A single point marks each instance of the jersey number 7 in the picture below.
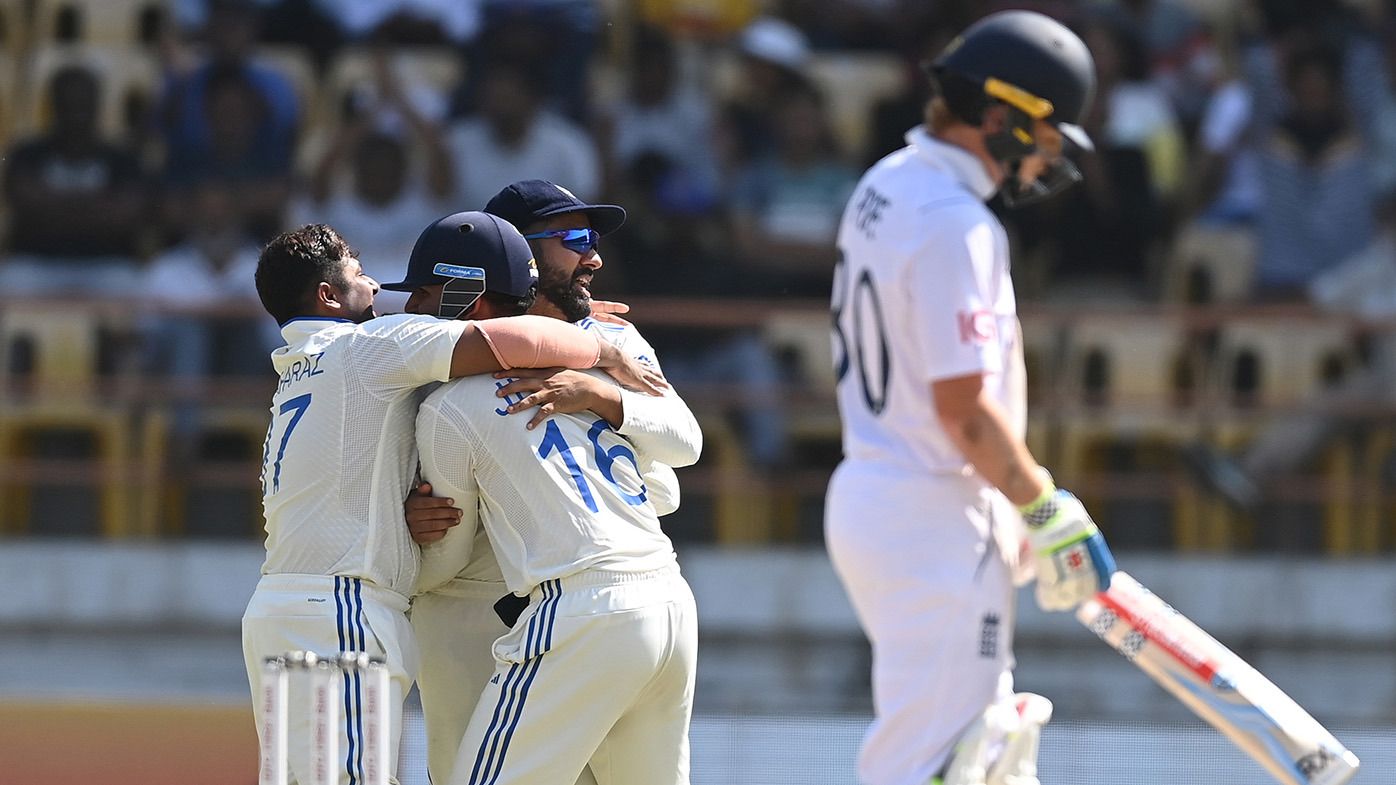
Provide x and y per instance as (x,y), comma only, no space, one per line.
(296,408)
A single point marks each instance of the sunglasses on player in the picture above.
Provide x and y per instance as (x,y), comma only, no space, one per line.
(580,241)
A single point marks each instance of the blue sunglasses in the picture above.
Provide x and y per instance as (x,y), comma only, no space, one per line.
(580,241)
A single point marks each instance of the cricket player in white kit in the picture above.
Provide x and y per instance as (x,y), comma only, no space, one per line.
(600,667)
(920,521)
(340,455)
(454,612)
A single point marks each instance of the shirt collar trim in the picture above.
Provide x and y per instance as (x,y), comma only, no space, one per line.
(960,164)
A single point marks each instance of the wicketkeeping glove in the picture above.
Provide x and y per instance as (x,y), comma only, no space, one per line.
(1073,562)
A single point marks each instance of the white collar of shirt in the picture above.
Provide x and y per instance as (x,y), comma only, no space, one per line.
(301,327)
(960,164)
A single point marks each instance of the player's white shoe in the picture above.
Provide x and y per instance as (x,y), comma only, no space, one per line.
(1000,748)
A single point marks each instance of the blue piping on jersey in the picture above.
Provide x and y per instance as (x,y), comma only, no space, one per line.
(316,319)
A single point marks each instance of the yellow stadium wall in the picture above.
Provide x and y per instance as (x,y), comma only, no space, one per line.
(126,744)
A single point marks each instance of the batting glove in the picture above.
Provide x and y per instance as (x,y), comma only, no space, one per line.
(1073,562)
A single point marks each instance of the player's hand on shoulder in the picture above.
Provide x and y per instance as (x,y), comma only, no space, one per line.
(609,312)
(429,517)
(557,391)
(1073,562)
(630,372)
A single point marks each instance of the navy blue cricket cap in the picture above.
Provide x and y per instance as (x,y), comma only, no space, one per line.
(473,245)
(527,201)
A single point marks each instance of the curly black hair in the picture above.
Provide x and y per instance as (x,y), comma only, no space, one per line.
(294,264)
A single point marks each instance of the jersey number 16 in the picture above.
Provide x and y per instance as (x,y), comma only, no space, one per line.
(554,441)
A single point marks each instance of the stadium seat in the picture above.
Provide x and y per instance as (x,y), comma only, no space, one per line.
(130,78)
(1127,391)
(803,336)
(1042,355)
(59,346)
(1266,365)
(164,503)
(853,84)
(1375,525)
(1211,264)
(101,22)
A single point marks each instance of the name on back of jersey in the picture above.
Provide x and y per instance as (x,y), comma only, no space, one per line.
(303,368)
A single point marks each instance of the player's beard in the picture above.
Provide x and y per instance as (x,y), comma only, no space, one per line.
(569,295)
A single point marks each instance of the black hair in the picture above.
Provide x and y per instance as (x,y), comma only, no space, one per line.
(508,304)
(293,265)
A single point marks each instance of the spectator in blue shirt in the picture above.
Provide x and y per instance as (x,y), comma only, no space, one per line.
(230,116)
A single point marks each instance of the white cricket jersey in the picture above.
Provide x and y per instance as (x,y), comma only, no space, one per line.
(922,293)
(662,430)
(562,498)
(340,454)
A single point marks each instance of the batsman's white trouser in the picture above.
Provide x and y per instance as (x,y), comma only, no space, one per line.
(599,668)
(326,614)
(921,560)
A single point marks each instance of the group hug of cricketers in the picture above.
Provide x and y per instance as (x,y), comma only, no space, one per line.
(472,490)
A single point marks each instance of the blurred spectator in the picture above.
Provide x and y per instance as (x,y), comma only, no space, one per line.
(1316,181)
(705,19)
(785,207)
(892,117)
(773,57)
(1290,28)
(390,100)
(213,268)
(1225,183)
(75,200)
(229,117)
(566,33)
(1384,118)
(302,23)
(1138,113)
(1107,228)
(659,135)
(387,201)
(513,137)
(407,22)
(1179,54)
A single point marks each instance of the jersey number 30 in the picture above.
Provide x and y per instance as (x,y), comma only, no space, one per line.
(868,348)
(553,441)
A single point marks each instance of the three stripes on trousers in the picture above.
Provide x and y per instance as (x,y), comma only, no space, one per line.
(349,622)
(513,692)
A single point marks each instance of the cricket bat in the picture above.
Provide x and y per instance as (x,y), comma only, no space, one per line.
(1217,685)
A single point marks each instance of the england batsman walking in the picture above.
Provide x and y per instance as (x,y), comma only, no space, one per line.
(925,514)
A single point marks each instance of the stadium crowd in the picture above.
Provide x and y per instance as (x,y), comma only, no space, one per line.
(150,170)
